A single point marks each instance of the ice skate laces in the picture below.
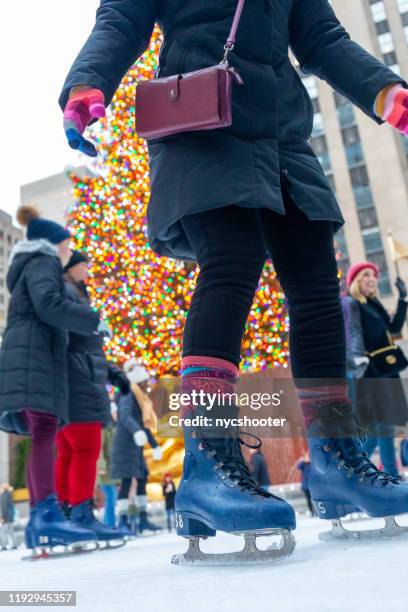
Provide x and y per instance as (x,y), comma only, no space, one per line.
(355,461)
(345,441)
(229,459)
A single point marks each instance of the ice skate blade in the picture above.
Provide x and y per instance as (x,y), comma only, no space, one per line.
(249,555)
(112,544)
(391,529)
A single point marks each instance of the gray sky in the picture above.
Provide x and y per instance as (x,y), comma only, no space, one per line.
(39,40)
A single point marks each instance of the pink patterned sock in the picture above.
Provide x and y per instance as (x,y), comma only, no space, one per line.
(209,375)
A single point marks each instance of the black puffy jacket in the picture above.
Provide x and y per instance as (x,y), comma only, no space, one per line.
(33,355)
(89,371)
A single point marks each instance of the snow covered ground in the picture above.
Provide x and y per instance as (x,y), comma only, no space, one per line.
(319,577)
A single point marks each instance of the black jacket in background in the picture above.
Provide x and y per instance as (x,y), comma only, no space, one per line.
(88,370)
(380,401)
(377,324)
(33,354)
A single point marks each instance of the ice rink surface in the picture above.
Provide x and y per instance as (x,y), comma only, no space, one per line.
(319,577)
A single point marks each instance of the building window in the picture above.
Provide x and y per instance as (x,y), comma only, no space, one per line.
(363,197)
(390,58)
(382,27)
(367,217)
(359,177)
(378,11)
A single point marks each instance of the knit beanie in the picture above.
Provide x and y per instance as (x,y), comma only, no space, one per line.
(76,258)
(358,267)
(38,228)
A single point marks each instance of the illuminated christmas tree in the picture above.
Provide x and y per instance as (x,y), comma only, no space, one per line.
(145,297)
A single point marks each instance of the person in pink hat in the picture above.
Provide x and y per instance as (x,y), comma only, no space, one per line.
(374,361)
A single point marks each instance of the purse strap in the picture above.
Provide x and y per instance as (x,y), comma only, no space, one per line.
(229,45)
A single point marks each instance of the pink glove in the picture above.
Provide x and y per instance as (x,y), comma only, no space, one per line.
(84,104)
(392,106)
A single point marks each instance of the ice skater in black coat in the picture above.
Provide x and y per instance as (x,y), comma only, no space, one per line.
(33,355)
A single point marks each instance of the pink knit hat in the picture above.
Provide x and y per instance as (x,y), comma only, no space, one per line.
(358,267)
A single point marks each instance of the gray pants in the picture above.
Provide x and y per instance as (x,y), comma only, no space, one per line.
(7,535)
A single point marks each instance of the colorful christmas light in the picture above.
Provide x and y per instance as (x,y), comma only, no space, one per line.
(144,297)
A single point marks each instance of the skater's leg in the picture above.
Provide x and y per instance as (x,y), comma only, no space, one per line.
(62,466)
(123,503)
(229,248)
(230,251)
(303,255)
(85,441)
(43,428)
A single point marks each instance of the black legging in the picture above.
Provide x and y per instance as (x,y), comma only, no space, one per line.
(125,488)
(231,245)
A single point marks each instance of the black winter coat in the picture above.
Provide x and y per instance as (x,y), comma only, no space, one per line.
(88,371)
(127,459)
(272,112)
(33,354)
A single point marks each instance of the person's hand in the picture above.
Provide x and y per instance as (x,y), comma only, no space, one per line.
(391,105)
(401,288)
(140,438)
(104,329)
(84,104)
(157,454)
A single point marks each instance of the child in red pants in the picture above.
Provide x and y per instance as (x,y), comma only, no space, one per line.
(79,442)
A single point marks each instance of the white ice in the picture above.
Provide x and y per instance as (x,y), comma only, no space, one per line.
(320,577)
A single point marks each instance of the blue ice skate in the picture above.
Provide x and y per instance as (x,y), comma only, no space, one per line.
(217,493)
(343,480)
(47,528)
(82,516)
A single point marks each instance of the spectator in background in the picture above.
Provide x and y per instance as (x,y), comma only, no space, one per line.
(304,467)
(259,469)
(169,493)
(7,512)
(374,361)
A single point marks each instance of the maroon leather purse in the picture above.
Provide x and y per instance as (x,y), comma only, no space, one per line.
(200,100)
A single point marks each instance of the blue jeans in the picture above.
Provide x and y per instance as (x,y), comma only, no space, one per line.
(109,491)
(385,442)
